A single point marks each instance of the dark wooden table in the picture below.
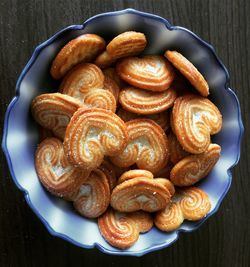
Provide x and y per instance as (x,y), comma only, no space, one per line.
(224,240)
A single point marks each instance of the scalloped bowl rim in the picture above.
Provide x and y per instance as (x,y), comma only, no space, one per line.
(35,54)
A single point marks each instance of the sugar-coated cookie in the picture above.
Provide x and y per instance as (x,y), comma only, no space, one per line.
(193,168)
(152,73)
(189,71)
(92,134)
(194,119)
(54,171)
(54,111)
(145,102)
(83,48)
(147,146)
(191,203)
(122,230)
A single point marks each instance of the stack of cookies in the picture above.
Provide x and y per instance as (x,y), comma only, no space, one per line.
(127,136)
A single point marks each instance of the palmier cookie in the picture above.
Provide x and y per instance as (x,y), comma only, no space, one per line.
(84,82)
(93,196)
(176,151)
(193,168)
(189,71)
(161,118)
(92,134)
(147,146)
(145,102)
(127,44)
(54,171)
(141,193)
(84,48)
(131,174)
(152,73)
(122,230)
(81,79)
(191,203)
(194,118)
(53,111)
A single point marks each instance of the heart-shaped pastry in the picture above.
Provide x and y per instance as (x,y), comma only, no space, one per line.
(81,79)
(176,151)
(122,230)
(92,134)
(93,196)
(147,146)
(152,73)
(189,71)
(161,118)
(53,111)
(191,203)
(194,119)
(54,171)
(84,82)
(193,168)
(141,192)
(84,48)
(126,44)
(145,102)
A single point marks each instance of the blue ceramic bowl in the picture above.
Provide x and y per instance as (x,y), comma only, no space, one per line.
(21,136)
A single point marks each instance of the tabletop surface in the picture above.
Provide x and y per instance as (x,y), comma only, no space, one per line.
(224,240)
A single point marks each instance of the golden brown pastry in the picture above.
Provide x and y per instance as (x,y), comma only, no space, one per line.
(93,196)
(147,146)
(100,98)
(175,149)
(131,174)
(191,203)
(161,118)
(81,79)
(54,111)
(54,171)
(84,48)
(193,168)
(194,203)
(145,102)
(152,73)
(127,44)
(194,119)
(122,230)
(141,192)
(189,71)
(85,82)
(92,134)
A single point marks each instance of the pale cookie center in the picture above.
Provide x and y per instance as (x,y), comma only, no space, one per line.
(57,169)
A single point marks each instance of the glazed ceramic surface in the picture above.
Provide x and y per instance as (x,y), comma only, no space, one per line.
(21,134)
